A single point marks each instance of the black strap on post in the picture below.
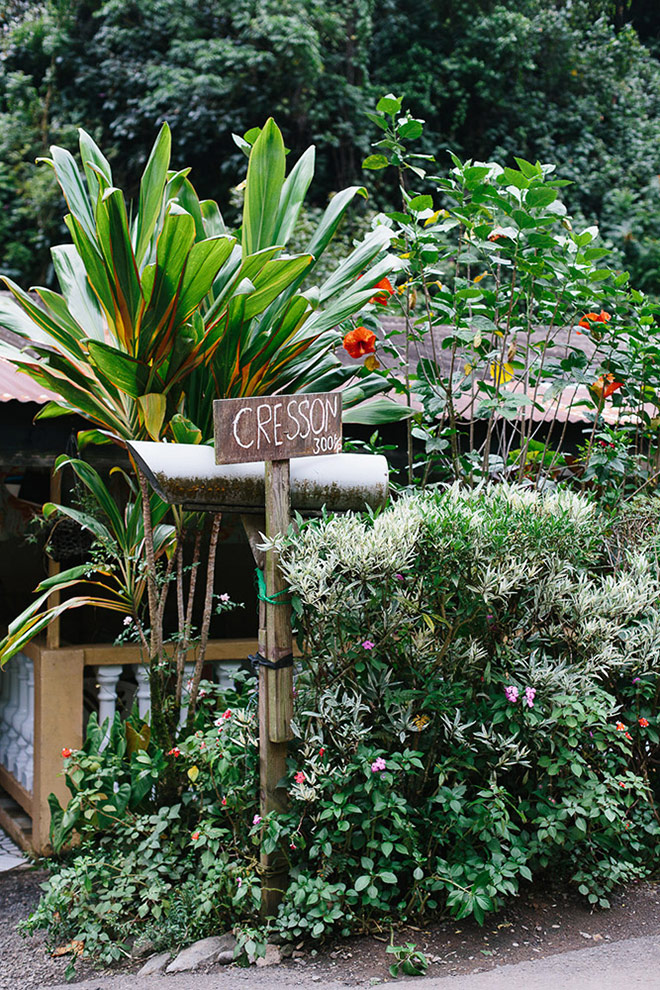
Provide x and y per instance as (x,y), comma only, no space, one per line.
(257,660)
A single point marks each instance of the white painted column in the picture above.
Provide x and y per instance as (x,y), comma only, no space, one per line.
(13,733)
(5,699)
(29,738)
(107,678)
(225,671)
(143,693)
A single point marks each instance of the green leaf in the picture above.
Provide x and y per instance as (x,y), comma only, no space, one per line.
(362,882)
(125,372)
(293,195)
(539,196)
(389,104)
(375,162)
(419,203)
(153,407)
(381,410)
(152,186)
(411,130)
(263,187)
(388,877)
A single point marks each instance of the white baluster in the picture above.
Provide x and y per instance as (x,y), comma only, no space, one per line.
(225,671)
(143,693)
(22,763)
(107,686)
(29,737)
(13,734)
(188,670)
(5,698)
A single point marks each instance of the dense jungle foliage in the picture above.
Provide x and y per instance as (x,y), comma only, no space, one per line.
(576,82)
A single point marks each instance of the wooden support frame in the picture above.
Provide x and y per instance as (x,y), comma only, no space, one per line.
(58,720)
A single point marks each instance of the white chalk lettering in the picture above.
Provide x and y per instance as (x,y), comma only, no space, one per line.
(245,446)
(305,419)
(262,423)
(317,406)
(291,411)
(277,425)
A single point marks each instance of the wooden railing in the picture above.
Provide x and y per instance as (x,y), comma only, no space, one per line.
(42,711)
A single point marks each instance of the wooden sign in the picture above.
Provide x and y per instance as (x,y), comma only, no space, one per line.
(277,427)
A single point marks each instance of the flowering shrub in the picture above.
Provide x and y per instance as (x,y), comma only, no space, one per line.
(493,732)
(477,706)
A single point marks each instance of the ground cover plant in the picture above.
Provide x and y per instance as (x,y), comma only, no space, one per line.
(476,708)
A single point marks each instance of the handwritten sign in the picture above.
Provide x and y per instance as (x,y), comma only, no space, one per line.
(277,427)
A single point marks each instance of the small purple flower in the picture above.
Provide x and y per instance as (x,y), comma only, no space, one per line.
(378,765)
(239,882)
(530,694)
(368,645)
(636,680)
(399,577)
(256,819)
(511,692)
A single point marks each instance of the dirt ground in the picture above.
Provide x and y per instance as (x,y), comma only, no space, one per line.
(541,922)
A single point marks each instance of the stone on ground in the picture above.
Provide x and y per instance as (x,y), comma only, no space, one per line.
(273,956)
(206,952)
(155,965)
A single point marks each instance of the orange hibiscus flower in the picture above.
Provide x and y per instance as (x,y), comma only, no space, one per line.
(605,386)
(383,297)
(590,318)
(359,342)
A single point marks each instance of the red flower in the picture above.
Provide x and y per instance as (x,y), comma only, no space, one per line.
(227,714)
(359,342)
(223,802)
(590,318)
(175,751)
(299,777)
(195,836)
(620,727)
(643,722)
(322,750)
(66,752)
(605,386)
(382,298)
(628,736)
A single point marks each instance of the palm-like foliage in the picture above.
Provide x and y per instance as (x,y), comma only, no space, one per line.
(150,300)
(117,583)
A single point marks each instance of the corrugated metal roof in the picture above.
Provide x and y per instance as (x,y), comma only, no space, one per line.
(16,385)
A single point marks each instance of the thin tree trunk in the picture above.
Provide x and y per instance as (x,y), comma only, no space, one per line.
(206,619)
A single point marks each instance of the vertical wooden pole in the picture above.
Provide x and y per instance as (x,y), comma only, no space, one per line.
(275,686)
(53,630)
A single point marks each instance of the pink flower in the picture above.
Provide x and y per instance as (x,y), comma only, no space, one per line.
(530,694)
(256,819)
(378,765)
(224,598)
(511,692)
(399,577)
(368,645)
(239,882)
(299,777)
(292,845)
(223,802)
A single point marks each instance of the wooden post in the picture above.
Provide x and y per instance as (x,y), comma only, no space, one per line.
(275,686)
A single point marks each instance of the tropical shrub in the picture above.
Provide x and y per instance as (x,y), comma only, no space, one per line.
(514,323)
(476,709)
